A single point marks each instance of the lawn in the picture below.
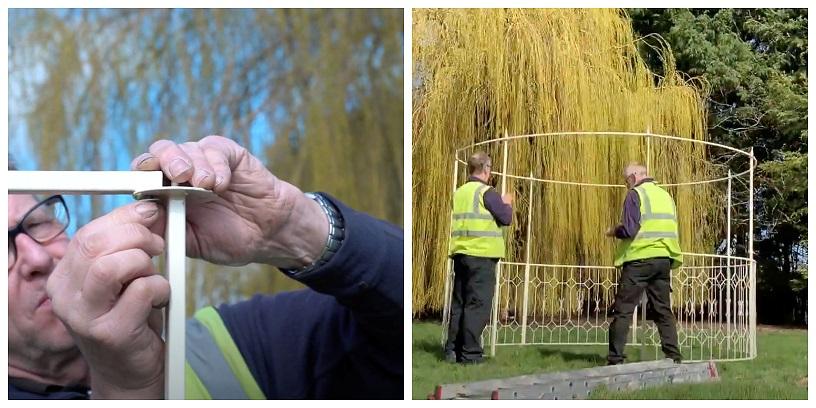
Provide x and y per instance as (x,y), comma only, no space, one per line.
(778,372)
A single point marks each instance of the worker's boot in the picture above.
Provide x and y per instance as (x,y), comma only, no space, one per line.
(450,357)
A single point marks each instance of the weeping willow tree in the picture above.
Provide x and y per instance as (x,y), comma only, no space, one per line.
(481,74)
(317,95)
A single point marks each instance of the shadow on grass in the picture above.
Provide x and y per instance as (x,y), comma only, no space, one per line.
(431,347)
(592,358)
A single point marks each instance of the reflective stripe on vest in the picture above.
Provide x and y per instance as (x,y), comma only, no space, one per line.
(657,235)
(474,231)
(215,368)
(472,216)
(647,209)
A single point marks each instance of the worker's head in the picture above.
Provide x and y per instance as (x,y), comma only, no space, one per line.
(634,173)
(37,241)
(479,166)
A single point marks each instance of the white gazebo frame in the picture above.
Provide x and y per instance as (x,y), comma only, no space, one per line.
(739,306)
(134,183)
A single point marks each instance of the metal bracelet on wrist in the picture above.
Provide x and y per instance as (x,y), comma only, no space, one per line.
(333,241)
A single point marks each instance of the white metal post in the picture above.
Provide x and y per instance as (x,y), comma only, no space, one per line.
(643,301)
(649,151)
(642,307)
(449,269)
(504,166)
(526,298)
(494,319)
(751,208)
(753,310)
(175,318)
(496,294)
(634,320)
(728,267)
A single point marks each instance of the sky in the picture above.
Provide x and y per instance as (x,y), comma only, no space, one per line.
(117,132)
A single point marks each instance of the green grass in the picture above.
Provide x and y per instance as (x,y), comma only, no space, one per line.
(778,372)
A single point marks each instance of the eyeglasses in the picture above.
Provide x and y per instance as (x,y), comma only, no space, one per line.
(42,223)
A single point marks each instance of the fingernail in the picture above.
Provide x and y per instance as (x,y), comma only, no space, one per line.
(204,177)
(143,158)
(178,166)
(219,180)
(147,209)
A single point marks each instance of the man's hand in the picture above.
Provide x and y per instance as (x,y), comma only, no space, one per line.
(610,232)
(255,218)
(508,198)
(108,294)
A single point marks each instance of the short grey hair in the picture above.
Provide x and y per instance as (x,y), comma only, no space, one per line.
(635,168)
(478,162)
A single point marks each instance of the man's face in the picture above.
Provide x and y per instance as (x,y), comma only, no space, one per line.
(488,168)
(33,328)
(630,178)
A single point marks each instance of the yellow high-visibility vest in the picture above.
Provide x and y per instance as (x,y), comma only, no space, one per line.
(474,231)
(658,235)
(215,368)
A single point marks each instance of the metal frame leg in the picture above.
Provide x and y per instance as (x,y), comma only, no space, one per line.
(175,317)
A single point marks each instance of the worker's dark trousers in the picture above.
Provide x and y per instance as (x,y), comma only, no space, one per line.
(654,276)
(473,285)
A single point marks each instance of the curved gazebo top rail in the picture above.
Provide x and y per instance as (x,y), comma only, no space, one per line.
(748,155)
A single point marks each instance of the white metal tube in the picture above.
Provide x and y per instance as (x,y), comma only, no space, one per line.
(643,296)
(728,266)
(494,319)
(449,268)
(527,266)
(648,151)
(643,300)
(751,209)
(496,294)
(612,134)
(634,322)
(575,183)
(83,182)
(753,311)
(504,167)
(175,317)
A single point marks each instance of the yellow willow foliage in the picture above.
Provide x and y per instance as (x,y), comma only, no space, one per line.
(481,73)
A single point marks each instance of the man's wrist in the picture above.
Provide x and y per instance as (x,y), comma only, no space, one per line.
(300,241)
(332,240)
(105,390)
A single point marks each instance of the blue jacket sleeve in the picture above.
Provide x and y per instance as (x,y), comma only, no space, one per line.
(343,337)
(630,220)
(503,213)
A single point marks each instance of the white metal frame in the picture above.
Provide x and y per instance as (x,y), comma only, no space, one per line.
(747,266)
(132,182)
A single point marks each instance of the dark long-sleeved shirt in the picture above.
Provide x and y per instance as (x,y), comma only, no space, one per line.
(502,213)
(630,219)
(24,389)
(342,338)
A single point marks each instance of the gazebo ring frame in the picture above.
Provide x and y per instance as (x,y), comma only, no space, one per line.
(740,271)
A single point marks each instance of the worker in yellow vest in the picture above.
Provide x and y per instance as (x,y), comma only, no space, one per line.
(649,249)
(476,245)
